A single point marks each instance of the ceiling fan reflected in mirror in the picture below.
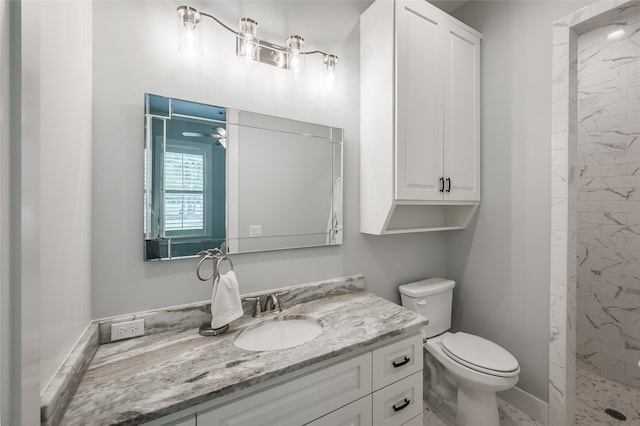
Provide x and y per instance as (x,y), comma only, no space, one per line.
(220,135)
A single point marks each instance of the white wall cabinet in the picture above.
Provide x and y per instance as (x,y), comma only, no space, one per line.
(378,387)
(420,118)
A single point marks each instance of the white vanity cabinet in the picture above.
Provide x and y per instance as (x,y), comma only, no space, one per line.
(186,421)
(420,118)
(358,413)
(299,401)
(379,387)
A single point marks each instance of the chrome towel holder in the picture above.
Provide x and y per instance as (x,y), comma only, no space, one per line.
(218,257)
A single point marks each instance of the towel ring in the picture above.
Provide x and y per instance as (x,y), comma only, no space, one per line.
(205,257)
(217,256)
(219,260)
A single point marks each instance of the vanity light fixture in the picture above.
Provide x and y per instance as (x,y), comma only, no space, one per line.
(249,48)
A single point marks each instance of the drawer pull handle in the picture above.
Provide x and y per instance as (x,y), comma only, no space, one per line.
(401,363)
(403,406)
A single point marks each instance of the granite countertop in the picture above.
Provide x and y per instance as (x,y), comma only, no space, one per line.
(142,379)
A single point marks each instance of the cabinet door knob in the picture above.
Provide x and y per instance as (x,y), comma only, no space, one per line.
(441,184)
(448,184)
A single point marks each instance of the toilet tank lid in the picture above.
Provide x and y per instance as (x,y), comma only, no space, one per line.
(426,287)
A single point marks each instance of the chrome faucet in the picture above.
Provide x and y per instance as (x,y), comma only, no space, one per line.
(271,306)
(272,303)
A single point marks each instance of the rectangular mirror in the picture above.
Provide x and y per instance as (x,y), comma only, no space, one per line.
(216,177)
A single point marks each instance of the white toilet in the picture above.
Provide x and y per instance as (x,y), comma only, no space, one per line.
(466,370)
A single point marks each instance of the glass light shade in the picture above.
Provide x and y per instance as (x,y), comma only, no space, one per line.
(248,47)
(188,34)
(330,76)
(280,59)
(296,58)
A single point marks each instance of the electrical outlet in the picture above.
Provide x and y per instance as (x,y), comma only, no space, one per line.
(127,329)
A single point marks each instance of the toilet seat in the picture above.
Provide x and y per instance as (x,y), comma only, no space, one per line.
(480,354)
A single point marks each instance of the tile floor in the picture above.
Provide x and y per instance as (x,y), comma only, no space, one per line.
(593,395)
(509,416)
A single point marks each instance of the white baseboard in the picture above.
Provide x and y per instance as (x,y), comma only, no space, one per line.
(527,403)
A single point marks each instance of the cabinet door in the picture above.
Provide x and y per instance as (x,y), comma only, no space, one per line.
(462,115)
(299,401)
(419,94)
(357,413)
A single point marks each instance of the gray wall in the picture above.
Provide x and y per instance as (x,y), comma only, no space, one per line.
(65,179)
(139,54)
(45,220)
(501,262)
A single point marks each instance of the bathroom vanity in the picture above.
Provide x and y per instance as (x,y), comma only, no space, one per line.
(365,368)
(379,387)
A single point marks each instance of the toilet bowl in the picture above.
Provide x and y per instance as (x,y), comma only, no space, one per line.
(486,371)
(477,381)
(466,370)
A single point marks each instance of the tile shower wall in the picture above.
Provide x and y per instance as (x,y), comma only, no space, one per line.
(608,206)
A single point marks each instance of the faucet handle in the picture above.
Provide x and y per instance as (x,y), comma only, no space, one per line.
(257,310)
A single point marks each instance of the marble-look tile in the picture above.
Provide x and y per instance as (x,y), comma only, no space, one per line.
(431,417)
(508,414)
(621,206)
(574,18)
(594,394)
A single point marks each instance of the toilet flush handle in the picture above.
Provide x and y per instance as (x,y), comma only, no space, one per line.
(422,302)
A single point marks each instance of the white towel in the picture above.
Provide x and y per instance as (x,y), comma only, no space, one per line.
(226,305)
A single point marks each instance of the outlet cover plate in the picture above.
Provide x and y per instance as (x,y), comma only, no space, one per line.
(127,329)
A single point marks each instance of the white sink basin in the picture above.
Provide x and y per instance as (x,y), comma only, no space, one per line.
(279,333)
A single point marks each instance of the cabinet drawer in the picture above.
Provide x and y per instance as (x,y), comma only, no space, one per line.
(416,421)
(358,413)
(397,361)
(399,402)
(299,401)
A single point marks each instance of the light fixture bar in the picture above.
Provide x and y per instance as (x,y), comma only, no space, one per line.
(270,53)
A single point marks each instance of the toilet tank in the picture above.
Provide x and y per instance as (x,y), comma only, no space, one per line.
(431,298)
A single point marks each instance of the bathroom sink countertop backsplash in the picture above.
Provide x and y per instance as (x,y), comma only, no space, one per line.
(173,368)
